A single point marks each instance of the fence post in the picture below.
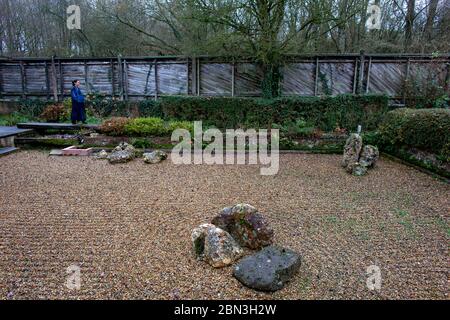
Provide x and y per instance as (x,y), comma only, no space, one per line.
(355,76)
(361,72)
(111,62)
(61,79)
(156,80)
(23,78)
(198,76)
(233,78)
(316,78)
(125,72)
(86,76)
(120,76)
(447,78)
(47,80)
(408,65)
(368,75)
(54,80)
(194,76)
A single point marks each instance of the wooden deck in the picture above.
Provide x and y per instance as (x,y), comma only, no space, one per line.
(6,132)
(7,150)
(38,126)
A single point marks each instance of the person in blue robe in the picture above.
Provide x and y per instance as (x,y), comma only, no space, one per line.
(78,109)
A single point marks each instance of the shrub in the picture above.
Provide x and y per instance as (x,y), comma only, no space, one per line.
(173,125)
(299,128)
(146,127)
(103,106)
(426,129)
(325,113)
(114,126)
(32,108)
(55,113)
(13,119)
(150,108)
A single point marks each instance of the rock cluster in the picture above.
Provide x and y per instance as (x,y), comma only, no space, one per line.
(219,244)
(357,158)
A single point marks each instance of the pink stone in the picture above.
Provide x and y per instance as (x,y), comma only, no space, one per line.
(73,151)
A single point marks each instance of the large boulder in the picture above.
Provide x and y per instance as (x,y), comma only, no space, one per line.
(269,269)
(352,150)
(369,156)
(246,225)
(215,246)
(123,153)
(155,157)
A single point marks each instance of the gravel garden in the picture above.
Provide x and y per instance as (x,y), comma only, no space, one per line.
(129,227)
(140,227)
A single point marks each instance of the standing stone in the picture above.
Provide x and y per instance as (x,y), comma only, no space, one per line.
(369,156)
(155,157)
(352,149)
(269,269)
(215,246)
(246,225)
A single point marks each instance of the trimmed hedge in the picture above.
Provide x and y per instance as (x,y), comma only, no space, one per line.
(325,113)
(427,129)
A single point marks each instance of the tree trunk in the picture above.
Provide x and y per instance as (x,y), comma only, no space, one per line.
(409,23)
(430,19)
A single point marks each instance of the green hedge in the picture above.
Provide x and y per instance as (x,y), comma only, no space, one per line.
(427,129)
(326,113)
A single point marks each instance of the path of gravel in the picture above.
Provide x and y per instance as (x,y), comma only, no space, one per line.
(128,227)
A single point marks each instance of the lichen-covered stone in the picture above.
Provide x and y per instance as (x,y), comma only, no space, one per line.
(352,150)
(246,225)
(369,156)
(123,153)
(102,155)
(357,169)
(269,269)
(155,157)
(215,246)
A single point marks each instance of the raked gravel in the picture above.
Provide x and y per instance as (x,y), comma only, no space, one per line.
(128,228)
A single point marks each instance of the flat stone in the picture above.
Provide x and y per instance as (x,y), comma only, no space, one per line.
(269,269)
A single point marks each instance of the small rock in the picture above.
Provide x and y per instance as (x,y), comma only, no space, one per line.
(246,225)
(215,246)
(269,269)
(352,149)
(122,153)
(102,155)
(369,156)
(357,169)
(155,157)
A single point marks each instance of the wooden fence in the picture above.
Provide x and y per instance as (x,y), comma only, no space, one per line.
(151,77)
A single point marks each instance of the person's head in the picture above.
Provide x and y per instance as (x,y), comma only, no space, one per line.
(76,83)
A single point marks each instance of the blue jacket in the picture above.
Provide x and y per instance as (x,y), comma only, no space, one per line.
(77,95)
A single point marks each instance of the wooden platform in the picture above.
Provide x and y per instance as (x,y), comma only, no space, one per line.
(6,132)
(7,150)
(38,126)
